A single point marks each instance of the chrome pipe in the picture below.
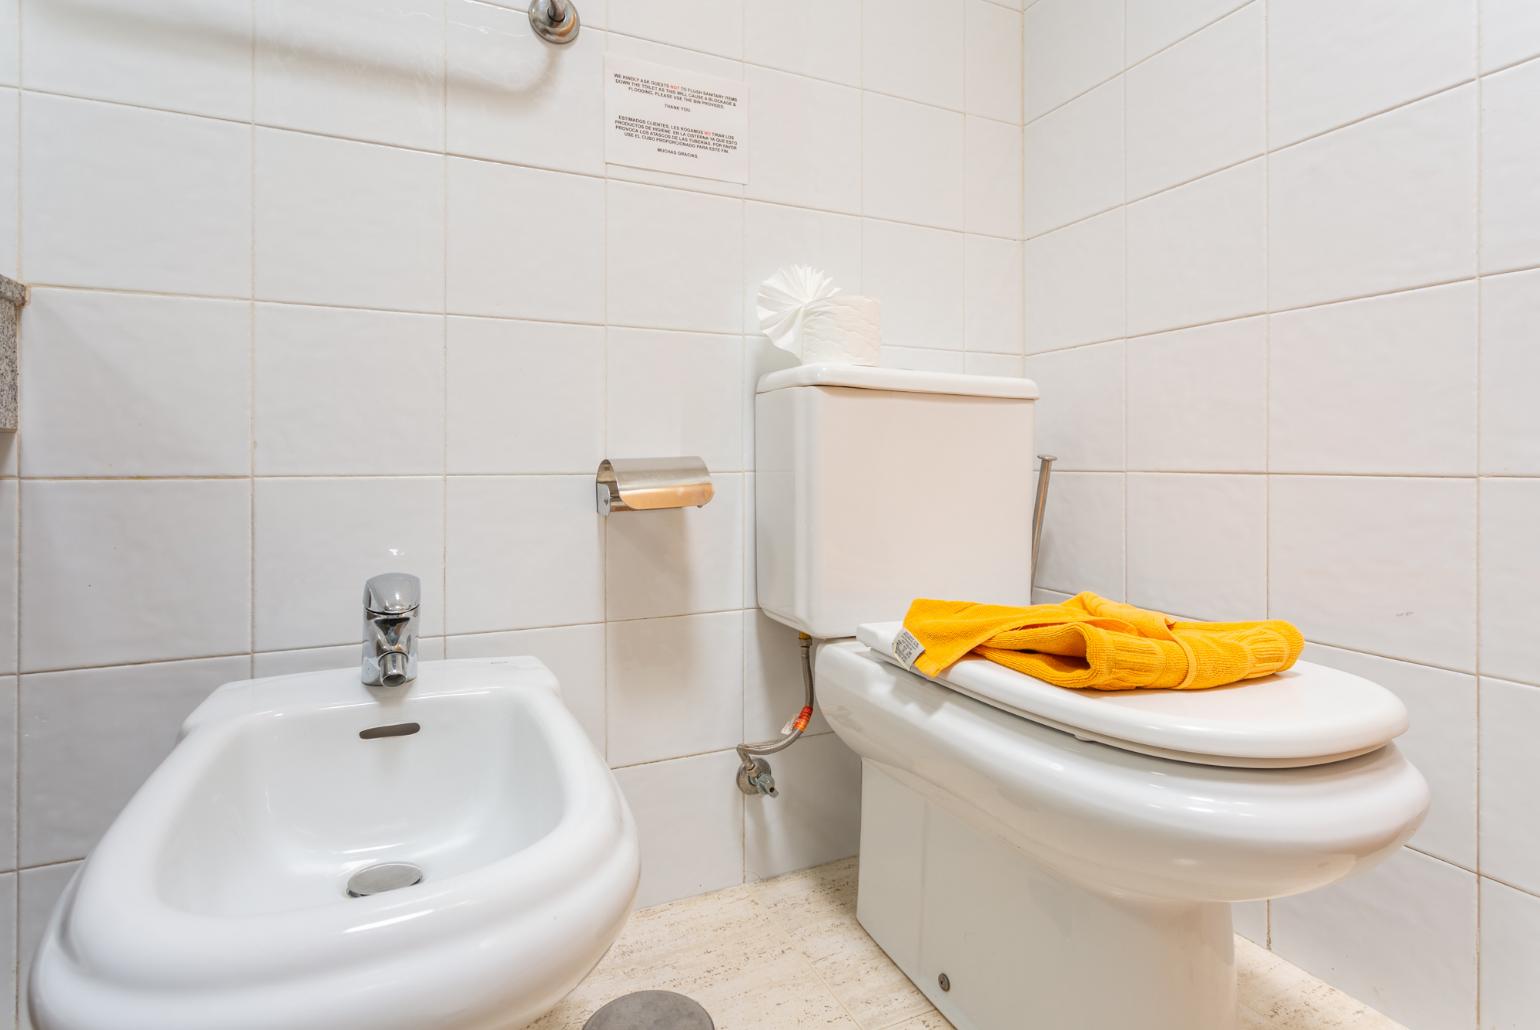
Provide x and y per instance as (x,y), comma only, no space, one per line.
(1039,508)
(555,21)
(754,776)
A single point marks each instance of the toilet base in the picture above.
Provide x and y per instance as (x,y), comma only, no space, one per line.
(998,942)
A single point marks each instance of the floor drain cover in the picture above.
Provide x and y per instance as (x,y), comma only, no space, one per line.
(387,876)
(651,1010)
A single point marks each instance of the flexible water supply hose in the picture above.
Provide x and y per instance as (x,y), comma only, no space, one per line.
(754,774)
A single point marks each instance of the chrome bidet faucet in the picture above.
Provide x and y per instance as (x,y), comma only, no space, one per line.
(390,629)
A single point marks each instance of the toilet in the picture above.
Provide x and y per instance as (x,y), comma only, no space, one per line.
(1032,856)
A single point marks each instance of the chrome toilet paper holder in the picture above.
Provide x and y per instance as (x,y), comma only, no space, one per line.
(649,484)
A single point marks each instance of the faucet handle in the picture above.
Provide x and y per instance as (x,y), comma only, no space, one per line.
(392,593)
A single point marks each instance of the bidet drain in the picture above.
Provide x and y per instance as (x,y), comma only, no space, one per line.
(651,1010)
(387,876)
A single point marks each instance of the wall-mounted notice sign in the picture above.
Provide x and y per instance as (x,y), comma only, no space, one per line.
(674,120)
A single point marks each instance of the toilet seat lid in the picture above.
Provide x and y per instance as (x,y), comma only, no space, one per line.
(1307,715)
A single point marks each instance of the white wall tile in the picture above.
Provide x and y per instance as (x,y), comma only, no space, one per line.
(365,69)
(915,49)
(10,184)
(803,147)
(674,259)
(820,778)
(1330,63)
(1197,399)
(1400,938)
(509,99)
(1381,385)
(1074,158)
(1083,534)
(10,52)
(675,686)
(1510,364)
(574,654)
(992,295)
(1071,45)
(689,817)
(155,569)
(1510,826)
(38,890)
(317,540)
(675,393)
(1510,580)
(1250,919)
(90,738)
(131,199)
(775,237)
(320,659)
(912,162)
(1197,545)
(822,40)
(10,511)
(1156,24)
(977,363)
(1377,564)
(10,990)
(993,62)
(1198,106)
(715,26)
(8,793)
(772,678)
(524,243)
(679,561)
(1075,283)
(921,359)
(321,237)
(1510,32)
(1081,410)
(118,384)
(1197,253)
(918,276)
(524,397)
(330,397)
(1510,149)
(521,552)
(1510,949)
(1440,742)
(182,55)
(1383,205)
(993,175)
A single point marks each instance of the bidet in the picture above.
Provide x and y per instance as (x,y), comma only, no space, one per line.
(316,853)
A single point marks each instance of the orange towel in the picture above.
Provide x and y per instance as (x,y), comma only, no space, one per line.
(1091,642)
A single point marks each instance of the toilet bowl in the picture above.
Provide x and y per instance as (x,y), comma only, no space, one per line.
(222,896)
(1049,880)
(1033,856)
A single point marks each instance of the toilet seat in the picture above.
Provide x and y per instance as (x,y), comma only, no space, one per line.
(1307,715)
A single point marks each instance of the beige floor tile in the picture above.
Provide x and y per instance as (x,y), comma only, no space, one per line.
(810,896)
(788,954)
(1275,995)
(925,1021)
(859,973)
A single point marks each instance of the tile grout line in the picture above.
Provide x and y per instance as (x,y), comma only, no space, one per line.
(1267,365)
(1479,578)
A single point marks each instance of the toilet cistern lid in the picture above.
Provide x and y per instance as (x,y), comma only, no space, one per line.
(1307,715)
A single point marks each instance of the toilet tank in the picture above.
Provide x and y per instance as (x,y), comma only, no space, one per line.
(876,486)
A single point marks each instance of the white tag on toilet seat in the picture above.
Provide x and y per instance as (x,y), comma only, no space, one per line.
(906,648)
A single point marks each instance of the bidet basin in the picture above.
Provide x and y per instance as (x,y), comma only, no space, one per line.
(494,854)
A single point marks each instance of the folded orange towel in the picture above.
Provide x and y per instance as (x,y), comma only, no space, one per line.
(1091,642)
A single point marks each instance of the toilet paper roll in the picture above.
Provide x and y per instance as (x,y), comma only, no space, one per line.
(841,330)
